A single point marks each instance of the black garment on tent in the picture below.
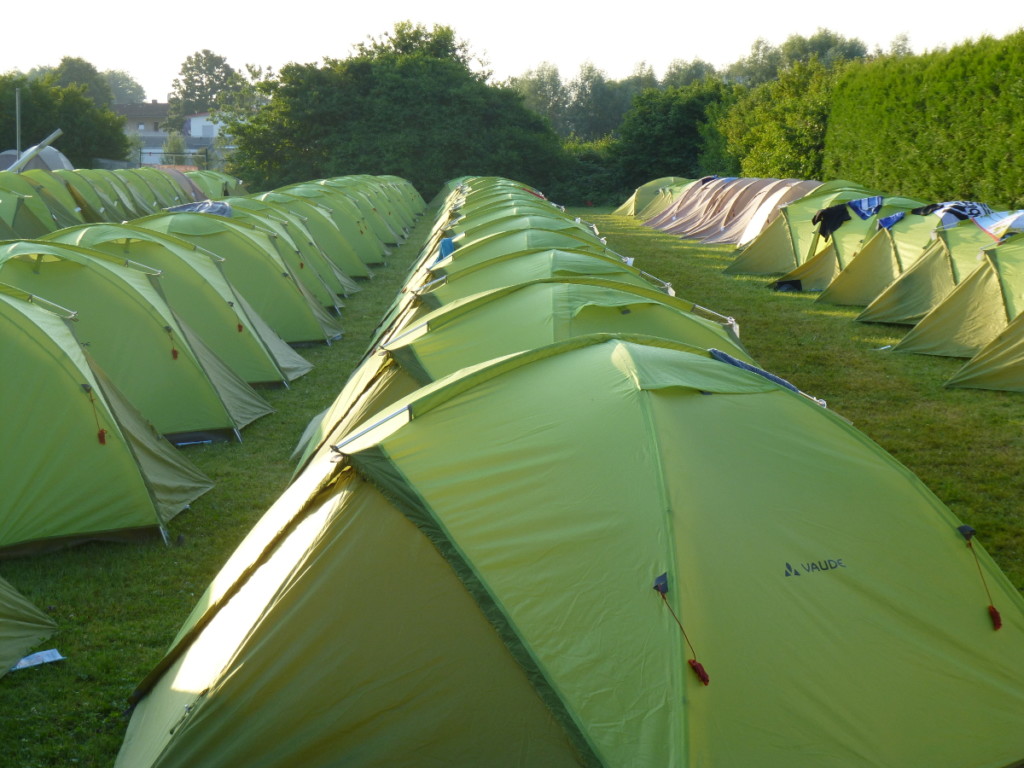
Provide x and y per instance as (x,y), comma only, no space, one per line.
(788,286)
(830,219)
(961,209)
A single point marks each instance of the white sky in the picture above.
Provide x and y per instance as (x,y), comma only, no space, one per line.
(150,41)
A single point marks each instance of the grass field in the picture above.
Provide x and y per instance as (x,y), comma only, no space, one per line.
(118,606)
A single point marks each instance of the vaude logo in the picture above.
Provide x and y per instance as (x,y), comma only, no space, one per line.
(816,566)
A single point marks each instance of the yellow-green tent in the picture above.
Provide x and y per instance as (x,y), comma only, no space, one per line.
(604,552)
(83,463)
(153,357)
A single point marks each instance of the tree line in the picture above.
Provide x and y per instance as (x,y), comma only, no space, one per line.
(410,103)
(414,103)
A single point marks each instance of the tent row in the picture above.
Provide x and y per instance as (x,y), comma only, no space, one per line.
(558,516)
(124,339)
(712,209)
(948,269)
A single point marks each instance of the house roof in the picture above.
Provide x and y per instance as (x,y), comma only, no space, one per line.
(151,110)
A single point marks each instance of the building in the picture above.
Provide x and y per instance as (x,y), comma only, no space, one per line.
(147,122)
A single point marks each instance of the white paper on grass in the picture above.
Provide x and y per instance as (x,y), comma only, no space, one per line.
(35,659)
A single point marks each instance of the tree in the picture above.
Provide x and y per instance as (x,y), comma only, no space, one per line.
(714,157)
(246,95)
(661,133)
(778,129)
(680,73)
(824,45)
(596,104)
(75,71)
(899,47)
(174,150)
(90,131)
(203,77)
(36,73)
(408,39)
(643,78)
(125,89)
(767,61)
(544,92)
(760,66)
(593,176)
(415,111)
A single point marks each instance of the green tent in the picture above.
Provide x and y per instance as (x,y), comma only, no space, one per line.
(459,279)
(363,194)
(126,202)
(194,285)
(554,221)
(645,194)
(952,255)
(662,201)
(22,626)
(160,364)
(409,203)
(887,254)
(94,203)
(185,188)
(83,463)
(156,187)
(271,240)
(322,278)
(792,238)
(395,200)
(977,310)
(216,184)
(51,186)
(844,244)
(17,219)
(605,552)
(391,204)
(473,214)
(503,243)
(147,198)
(50,210)
(549,233)
(257,272)
(313,233)
(346,216)
(504,321)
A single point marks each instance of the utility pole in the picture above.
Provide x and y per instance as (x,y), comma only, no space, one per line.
(17,122)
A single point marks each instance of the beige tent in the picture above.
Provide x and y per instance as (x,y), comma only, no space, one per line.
(793,238)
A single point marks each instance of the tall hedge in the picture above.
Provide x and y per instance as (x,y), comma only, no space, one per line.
(939,126)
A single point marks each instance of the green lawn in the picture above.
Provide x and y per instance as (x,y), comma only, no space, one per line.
(119,605)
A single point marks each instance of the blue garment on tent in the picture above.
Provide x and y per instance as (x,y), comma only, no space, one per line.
(866,207)
(888,221)
(216,207)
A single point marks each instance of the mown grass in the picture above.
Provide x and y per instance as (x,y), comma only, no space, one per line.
(119,605)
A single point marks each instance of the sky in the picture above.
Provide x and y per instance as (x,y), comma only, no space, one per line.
(151,41)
